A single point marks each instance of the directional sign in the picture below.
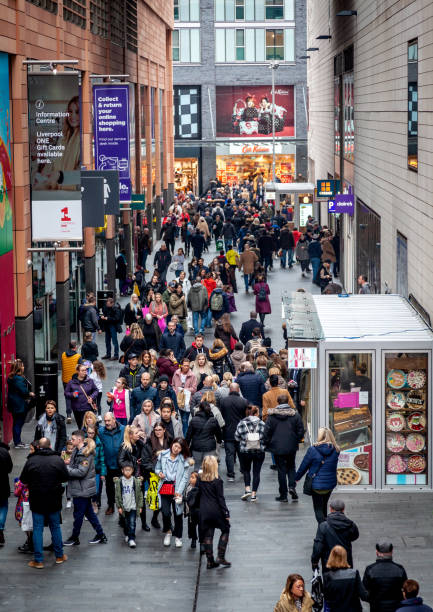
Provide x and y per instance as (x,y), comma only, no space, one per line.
(111,188)
(92,197)
(137,201)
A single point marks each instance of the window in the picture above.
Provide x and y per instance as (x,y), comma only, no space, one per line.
(412,100)
(240,45)
(275,44)
(186,45)
(75,12)
(176,10)
(175,42)
(187,112)
(274,9)
(240,9)
(186,10)
(348,117)
(337,111)
(48,5)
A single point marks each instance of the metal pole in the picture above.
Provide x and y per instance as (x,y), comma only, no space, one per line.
(273,122)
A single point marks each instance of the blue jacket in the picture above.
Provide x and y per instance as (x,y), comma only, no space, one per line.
(138,395)
(414,605)
(327,476)
(111,441)
(18,392)
(315,249)
(252,387)
(184,469)
(175,342)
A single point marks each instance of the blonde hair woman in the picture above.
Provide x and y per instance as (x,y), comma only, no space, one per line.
(133,343)
(294,597)
(201,368)
(342,585)
(214,513)
(320,462)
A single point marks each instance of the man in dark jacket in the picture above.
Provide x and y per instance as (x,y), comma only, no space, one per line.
(283,432)
(229,234)
(337,529)
(196,398)
(251,385)
(203,434)
(112,322)
(266,245)
(132,372)
(161,261)
(196,348)
(43,473)
(173,340)
(247,327)
(287,245)
(143,392)
(233,409)
(89,316)
(198,243)
(315,253)
(51,425)
(5,469)
(168,234)
(384,580)
(197,302)
(411,602)
(111,436)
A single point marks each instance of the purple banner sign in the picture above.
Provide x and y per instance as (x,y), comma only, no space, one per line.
(342,203)
(111,131)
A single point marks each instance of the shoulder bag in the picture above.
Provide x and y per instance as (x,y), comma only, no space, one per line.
(93,404)
(308,481)
(122,357)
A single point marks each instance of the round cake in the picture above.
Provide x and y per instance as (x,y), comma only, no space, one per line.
(395,422)
(396,400)
(416,464)
(415,442)
(416,379)
(416,421)
(396,464)
(395,442)
(396,379)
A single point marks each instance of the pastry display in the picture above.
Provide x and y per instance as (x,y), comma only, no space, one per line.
(395,442)
(396,400)
(415,400)
(415,442)
(362,461)
(396,379)
(396,464)
(416,421)
(355,418)
(395,422)
(416,379)
(416,464)
(348,476)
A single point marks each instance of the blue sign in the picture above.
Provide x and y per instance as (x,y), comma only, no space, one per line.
(111,132)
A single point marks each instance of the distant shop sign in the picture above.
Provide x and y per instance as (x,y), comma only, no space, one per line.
(342,203)
(327,188)
(253,148)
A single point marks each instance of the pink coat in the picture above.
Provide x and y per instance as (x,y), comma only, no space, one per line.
(190,383)
(265,306)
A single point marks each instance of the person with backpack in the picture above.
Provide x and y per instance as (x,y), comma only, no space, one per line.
(249,435)
(262,292)
(112,317)
(218,303)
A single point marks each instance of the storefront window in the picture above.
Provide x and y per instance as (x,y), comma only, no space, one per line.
(350,415)
(406,426)
(234,168)
(186,174)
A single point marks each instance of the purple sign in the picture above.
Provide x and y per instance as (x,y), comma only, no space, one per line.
(111,131)
(342,203)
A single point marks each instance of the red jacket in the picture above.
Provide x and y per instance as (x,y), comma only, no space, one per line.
(296,236)
(166,366)
(210,285)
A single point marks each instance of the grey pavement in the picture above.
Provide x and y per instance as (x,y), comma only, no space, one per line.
(268,541)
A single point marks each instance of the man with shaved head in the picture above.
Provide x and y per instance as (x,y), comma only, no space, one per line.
(233,409)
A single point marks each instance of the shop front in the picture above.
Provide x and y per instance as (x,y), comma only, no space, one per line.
(187,169)
(238,161)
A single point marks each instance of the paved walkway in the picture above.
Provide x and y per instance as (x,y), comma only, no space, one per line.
(268,541)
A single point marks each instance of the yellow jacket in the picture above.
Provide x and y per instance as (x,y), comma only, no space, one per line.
(69,365)
(232,257)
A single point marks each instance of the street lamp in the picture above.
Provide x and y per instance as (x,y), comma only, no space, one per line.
(273,66)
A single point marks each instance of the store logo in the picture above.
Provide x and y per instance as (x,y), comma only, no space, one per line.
(281,92)
(255,148)
(39,104)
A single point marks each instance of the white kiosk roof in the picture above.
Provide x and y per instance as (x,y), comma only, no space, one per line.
(370,318)
(290,187)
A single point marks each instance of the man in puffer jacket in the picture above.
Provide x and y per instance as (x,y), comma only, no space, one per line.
(82,487)
(111,436)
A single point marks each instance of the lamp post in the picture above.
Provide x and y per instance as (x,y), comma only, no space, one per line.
(273,66)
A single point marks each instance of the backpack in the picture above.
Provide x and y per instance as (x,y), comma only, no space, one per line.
(252,441)
(261,296)
(217,302)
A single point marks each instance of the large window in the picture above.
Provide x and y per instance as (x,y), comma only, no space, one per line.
(254,45)
(186,45)
(187,113)
(240,9)
(274,9)
(252,10)
(275,44)
(240,45)
(412,97)
(344,113)
(186,10)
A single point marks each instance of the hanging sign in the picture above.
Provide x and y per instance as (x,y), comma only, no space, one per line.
(302,358)
(327,188)
(342,203)
(111,188)
(92,191)
(55,156)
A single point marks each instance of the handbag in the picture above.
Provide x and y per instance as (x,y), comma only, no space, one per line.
(167,489)
(308,482)
(233,342)
(317,591)
(122,357)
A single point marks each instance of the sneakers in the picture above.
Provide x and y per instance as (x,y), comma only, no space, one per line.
(25,548)
(126,539)
(230,478)
(69,503)
(246,495)
(60,560)
(178,542)
(132,544)
(72,542)
(21,445)
(35,564)
(293,494)
(99,539)
(167,539)
(253,498)
(281,499)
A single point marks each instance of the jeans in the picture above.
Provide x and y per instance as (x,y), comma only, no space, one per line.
(185,420)
(83,508)
(247,281)
(109,485)
(195,316)
(144,255)
(208,320)
(256,460)
(286,254)
(198,457)
(286,470)
(18,424)
(228,244)
(38,531)
(122,421)
(163,275)
(320,505)
(129,524)
(3,513)
(167,506)
(315,263)
(111,337)
(231,448)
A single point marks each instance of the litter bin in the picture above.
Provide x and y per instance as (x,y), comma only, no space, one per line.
(219,244)
(102,297)
(46,384)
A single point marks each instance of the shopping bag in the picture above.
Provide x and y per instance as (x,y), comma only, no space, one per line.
(317,591)
(152,498)
(162,324)
(145,310)
(136,290)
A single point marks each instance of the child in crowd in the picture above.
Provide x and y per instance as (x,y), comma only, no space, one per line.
(129,501)
(66,456)
(190,508)
(23,514)
(98,374)
(89,349)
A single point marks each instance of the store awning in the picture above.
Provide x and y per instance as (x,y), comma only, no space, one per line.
(300,316)
(290,187)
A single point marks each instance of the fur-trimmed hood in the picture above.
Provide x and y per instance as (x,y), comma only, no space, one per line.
(283,411)
(219,354)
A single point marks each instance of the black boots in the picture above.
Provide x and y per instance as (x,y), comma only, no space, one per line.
(222,547)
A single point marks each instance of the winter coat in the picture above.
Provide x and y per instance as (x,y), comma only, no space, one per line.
(76,391)
(43,473)
(252,387)
(89,317)
(60,431)
(210,285)
(247,327)
(286,603)
(172,427)
(130,316)
(82,475)
(283,430)
(139,499)
(131,456)
(18,392)
(138,395)
(270,400)
(326,478)
(315,249)
(152,334)
(286,239)
(166,393)
(262,307)
(100,467)
(166,366)
(184,469)
(247,261)
(343,590)
(189,385)
(146,423)
(415,604)
(114,316)
(203,433)
(6,466)
(338,529)
(221,362)
(177,306)
(266,244)
(162,260)
(328,250)
(203,226)
(238,357)
(89,351)
(175,342)
(384,581)
(225,336)
(198,243)
(192,352)
(233,410)
(302,250)
(70,360)
(133,377)
(197,298)
(251,424)
(229,232)
(213,507)
(132,346)
(111,441)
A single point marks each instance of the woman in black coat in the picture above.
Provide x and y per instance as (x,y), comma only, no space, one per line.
(203,433)
(214,513)
(134,343)
(224,331)
(342,585)
(220,359)
(133,312)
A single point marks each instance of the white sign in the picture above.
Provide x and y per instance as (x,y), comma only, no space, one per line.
(56,220)
(302,358)
(253,148)
(304,211)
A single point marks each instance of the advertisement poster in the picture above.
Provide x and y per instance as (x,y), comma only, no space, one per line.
(302,357)
(111,132)
(55,156)
(245,112)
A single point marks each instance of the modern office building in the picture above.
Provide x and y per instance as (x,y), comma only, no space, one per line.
(371,97)
(222,50)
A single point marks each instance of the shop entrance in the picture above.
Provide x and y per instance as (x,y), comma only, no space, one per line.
(237,168)
(186,174)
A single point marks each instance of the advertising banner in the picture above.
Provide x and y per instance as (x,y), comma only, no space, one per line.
(111,188)
(92,194)
(111,133)
(342,203)
(55,156)
(246,112)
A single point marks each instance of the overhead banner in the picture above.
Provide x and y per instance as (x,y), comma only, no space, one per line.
(92,193)
(245,112)
(55,156)
(111,133)
(111,188)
